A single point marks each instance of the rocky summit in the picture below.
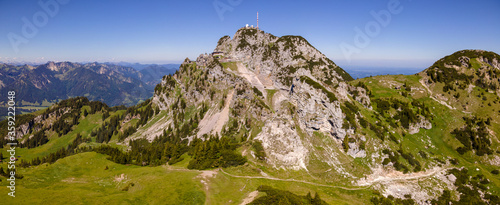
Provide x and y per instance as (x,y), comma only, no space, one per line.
(284,83)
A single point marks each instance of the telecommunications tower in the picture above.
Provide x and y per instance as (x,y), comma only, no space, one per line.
(257,20)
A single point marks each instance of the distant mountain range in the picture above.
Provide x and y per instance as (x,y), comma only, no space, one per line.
(140,66)
(110,83)
(363,72)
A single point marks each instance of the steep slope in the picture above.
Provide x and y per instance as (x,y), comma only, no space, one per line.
(280,83)
(467,80)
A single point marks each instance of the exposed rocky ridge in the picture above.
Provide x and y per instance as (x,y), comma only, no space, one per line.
(279,57)
(31,124)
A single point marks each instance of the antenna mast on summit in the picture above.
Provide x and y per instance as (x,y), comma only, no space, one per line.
(257,19)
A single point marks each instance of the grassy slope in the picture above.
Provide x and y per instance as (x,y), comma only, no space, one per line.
(240,187)
(230,65)
(82,179)
(55,143)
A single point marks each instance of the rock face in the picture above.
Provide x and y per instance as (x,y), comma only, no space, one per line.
(423,123)
(36,123)
(284,147)
(315,112)
(493,62)
(283,82)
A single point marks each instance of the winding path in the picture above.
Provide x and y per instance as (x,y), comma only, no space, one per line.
(404,177)
(366,185)
(432,97)
(293,180)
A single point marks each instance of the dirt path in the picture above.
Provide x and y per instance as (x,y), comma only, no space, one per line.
(425,86)
(205,177)
(382,177)
(293,180)
(432,97)
(361,184)
(377,178)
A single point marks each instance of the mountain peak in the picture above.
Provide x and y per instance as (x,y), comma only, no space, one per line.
(462,59)
(465,68)
(281,58)
(60,66)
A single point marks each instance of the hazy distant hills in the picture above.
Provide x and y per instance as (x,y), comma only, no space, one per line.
(363,72)
(152,74)
(140,66)
(112,84)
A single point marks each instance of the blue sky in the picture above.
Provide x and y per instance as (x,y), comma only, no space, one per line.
(418,32)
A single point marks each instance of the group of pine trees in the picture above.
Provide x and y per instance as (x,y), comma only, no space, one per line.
(214,152)
(108,128)
(67,112)
(205,154)
(38,139)
(172,144)
(474,136)
(167,148)
(276,196)
(406,113)
(394,159)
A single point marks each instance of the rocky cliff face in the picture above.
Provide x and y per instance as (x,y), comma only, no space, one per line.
(293,91)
